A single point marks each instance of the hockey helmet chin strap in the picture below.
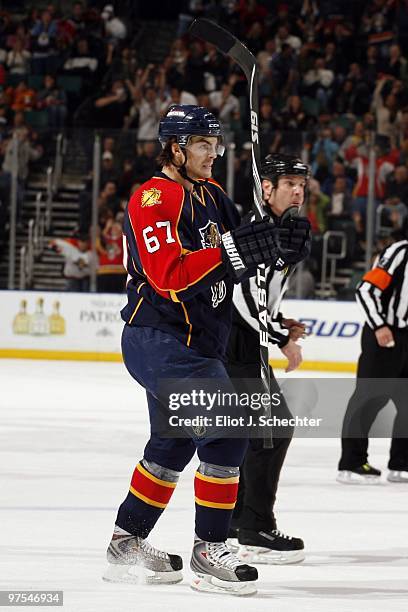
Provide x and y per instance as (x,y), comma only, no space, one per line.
(183,172)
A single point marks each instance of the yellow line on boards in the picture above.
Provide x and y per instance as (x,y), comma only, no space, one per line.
(59,355)
(326,366)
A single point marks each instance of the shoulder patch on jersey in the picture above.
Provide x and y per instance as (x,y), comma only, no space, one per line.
(150,197)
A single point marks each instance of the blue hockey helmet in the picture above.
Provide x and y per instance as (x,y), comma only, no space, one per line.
(185,120)
(275,166)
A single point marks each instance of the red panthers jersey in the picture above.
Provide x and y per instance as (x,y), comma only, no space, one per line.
(177,281)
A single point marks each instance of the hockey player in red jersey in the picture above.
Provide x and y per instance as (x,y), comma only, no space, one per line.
(185,249)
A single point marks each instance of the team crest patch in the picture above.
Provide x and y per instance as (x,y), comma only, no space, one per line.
(151,197)
(210,237)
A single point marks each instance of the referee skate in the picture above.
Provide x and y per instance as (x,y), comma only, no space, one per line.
(267,548)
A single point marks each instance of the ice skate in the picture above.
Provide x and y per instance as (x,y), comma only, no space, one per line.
(397,476)
(218,570)
(232,540)
(269,547)
(133,560)
(364,475)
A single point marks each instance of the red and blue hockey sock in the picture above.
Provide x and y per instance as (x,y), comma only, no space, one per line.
(216,489)
(150,491)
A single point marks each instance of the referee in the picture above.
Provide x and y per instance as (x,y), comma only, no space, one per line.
(383,296)
(284,184)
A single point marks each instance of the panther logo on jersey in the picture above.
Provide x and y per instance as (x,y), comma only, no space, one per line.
(151,197)
(210,236)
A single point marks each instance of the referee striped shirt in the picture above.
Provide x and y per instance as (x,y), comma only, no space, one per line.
(383,290)
(245,302)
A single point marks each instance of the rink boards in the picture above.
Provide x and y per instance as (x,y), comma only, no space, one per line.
(85,326)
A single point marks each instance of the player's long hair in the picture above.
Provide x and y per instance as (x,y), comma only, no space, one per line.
(165,157)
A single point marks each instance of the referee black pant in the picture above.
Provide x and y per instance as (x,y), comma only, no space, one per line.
(261,468)
(378,369)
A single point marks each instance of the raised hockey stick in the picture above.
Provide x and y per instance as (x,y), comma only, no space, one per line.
(227,43)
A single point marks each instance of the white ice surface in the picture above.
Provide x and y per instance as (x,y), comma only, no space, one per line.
(70,436)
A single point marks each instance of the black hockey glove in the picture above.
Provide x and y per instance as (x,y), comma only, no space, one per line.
(294,237)
(248,246)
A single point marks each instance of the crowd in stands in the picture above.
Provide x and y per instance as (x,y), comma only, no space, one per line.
(49,63)
(332,73)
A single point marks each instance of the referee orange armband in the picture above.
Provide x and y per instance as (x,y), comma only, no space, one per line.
(378,277)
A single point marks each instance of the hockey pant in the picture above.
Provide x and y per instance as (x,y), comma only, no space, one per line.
(150,355)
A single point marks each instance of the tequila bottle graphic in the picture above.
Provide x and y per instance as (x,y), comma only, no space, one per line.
(56,321)
(21,321)
(39,325)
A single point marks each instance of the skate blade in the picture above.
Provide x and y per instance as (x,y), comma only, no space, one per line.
(398,478)
(266,556)
(134,574)
(210,584)
(356,479)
